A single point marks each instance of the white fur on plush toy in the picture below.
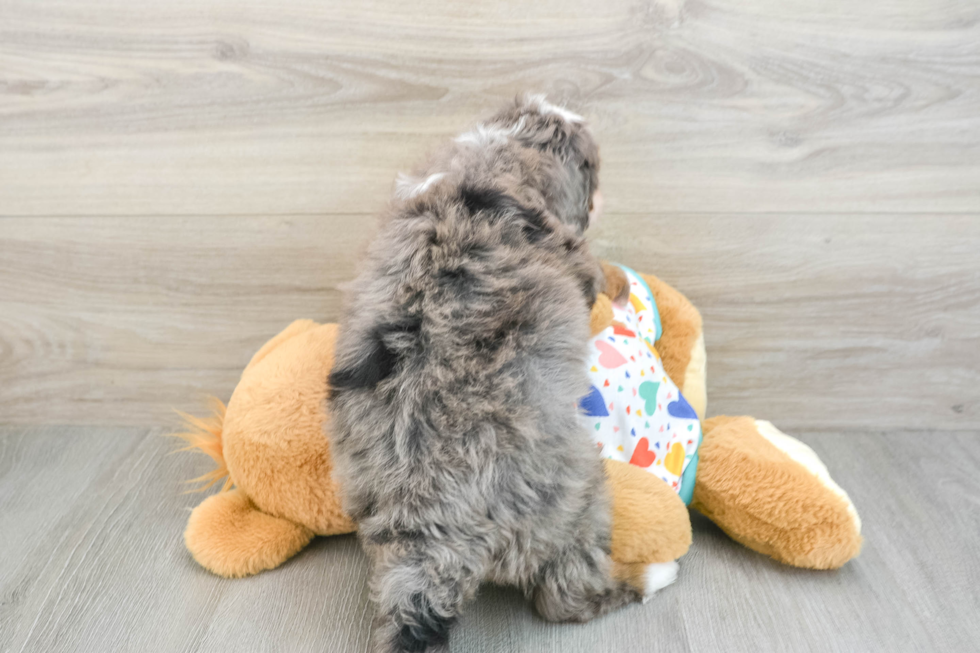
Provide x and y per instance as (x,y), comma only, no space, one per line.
(807,457)
(658,576)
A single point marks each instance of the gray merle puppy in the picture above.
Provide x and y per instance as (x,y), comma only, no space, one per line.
(460,361)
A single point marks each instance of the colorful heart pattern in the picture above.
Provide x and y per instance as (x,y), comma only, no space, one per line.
(620,330)
(609,357)
(648,392)
(674,460)
(632,418)
(681,408)
(642,456)
(593,404)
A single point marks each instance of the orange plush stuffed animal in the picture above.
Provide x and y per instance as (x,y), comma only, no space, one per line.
(765,489)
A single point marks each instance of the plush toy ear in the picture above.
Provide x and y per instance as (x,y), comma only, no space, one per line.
(294,329)
(617,289)
(617,285)
(771,493)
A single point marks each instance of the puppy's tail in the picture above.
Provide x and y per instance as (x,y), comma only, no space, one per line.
(204,435)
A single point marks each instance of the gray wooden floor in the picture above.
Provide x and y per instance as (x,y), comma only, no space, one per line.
(179,180)
(92,560)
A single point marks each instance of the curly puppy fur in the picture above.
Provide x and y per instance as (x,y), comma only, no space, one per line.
(459,364)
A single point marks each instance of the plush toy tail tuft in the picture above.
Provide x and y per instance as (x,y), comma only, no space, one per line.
(204,435)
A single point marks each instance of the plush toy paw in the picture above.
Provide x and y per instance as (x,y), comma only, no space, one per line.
(650,521)
(229,536)
(771,493)
(647,578)
(658,576)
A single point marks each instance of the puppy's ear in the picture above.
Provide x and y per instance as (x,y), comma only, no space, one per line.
(536,225)
(377,358)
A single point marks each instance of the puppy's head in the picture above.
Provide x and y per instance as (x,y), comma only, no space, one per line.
(568,176)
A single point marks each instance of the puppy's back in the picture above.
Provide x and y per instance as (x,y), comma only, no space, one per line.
(470,300)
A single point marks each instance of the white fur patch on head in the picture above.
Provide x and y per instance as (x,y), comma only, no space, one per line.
(407,187)
(544,106)
(484,135)
(658,576)
(480,135)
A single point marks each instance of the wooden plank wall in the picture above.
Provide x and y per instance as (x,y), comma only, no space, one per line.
(180,180)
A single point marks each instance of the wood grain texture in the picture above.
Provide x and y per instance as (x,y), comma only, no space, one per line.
(122,320)
(852,321)
(238,107)
(180,180)
(98,563)
(93,560)
(844,321)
